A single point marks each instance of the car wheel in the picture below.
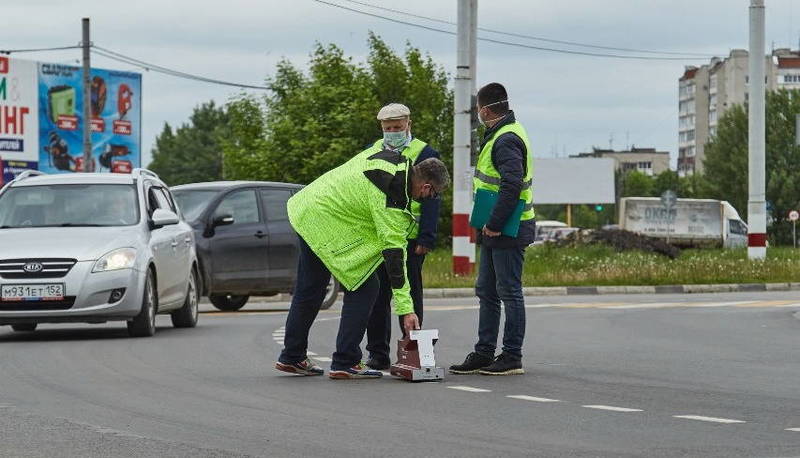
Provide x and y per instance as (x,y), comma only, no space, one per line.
(331,294)
(24,327)
(186,316)
(228,302)
(144,324)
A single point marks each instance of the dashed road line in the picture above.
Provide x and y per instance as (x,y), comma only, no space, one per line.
(469,389)
(323,359)
(793,429)
(709,419)
(613,408)
(531,398)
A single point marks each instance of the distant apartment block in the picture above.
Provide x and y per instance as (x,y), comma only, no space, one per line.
(705,93)
(645,160)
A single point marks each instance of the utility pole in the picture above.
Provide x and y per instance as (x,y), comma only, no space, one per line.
(463,244)
(88,163)
(756,204)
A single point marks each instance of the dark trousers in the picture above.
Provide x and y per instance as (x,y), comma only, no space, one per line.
(500,279)
(309,292)
(379,329)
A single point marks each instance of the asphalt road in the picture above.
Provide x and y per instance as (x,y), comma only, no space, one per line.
(655,375)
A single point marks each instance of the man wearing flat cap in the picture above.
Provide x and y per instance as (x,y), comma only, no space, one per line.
(395,120)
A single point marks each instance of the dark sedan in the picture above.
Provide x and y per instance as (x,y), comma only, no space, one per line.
(245,244)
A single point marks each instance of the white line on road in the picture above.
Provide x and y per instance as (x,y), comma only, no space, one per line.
(710,419)
(793,429)
(531,398)
(470,389)
(323,359)
(311,353)
(613,409)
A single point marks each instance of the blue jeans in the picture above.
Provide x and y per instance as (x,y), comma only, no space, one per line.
(309,292)
(500,279)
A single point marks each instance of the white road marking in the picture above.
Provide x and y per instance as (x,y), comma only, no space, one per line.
(613,409)
(531,398)
(709,419)
(470,389)
(311,353)
(279,342)
(323,359)
(386,373)
(793,429)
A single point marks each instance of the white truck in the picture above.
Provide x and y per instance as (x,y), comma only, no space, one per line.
(687,222)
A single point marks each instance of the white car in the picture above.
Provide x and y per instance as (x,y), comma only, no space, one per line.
(92,248)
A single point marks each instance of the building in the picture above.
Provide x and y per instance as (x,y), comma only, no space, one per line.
(645,160)
(705,93)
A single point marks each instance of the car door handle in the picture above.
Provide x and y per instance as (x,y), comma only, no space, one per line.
(260,234)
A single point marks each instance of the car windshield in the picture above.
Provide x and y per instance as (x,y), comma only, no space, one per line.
(66,205)
(192,203)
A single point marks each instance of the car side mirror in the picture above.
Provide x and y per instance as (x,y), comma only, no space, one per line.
(162,217)
(222,220)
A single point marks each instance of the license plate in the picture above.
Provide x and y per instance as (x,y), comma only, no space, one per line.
(32,292)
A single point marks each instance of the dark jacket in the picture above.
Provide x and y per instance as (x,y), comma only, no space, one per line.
(429,219)
(509,158)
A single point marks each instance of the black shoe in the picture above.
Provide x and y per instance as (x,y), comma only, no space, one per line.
(475,361)
(378,364)
(504,364)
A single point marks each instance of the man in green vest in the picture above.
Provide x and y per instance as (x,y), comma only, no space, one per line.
(395,120)
(505,166)
(352,221)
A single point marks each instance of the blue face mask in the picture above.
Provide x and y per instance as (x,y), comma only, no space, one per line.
(395,140)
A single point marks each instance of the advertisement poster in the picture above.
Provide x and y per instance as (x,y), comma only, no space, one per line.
(115,121)
(19,123)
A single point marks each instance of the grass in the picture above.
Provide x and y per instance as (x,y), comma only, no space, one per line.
(600,265)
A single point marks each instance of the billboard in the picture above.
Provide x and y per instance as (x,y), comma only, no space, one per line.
(115,119)
(19,122)
(573,181)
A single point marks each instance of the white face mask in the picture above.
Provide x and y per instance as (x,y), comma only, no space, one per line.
(395,140)
(480,120)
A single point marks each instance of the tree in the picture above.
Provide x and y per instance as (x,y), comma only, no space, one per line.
(637,184)
(666,181)
(192,152)
(726,163)
(312,122)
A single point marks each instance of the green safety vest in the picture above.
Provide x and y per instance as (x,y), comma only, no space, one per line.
(412,151)
(487,177)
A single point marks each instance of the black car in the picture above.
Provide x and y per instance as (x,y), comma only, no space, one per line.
(245,244)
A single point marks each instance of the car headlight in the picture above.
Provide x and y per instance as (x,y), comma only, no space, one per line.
(123,258)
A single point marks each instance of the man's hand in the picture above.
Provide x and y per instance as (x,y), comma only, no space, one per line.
(421,250)
(410,323)
(489,233)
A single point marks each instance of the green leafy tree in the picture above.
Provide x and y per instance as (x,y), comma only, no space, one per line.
(311,122)
(667,181)
(726,162)
(192,152)
(637,184)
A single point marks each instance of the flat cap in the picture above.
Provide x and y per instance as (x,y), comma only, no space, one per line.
(394,111)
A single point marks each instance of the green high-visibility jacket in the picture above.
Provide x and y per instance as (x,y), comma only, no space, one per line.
(357,216)
(487,177)
(411,151)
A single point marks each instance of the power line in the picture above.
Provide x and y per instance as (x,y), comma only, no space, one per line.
(58,48)
(109,54)
(502,42)
(530,37)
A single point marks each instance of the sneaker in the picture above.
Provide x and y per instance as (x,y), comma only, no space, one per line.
(305,367)
(475,361)
(378,364)
(357,371)
(504,364)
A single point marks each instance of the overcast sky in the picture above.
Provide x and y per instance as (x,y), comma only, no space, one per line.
(567,102)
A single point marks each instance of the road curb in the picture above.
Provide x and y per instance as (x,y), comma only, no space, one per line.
(439,293)
(606,290)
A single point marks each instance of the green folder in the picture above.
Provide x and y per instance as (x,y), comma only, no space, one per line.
(485,201)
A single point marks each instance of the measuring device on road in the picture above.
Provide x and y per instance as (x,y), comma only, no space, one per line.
(415,360)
